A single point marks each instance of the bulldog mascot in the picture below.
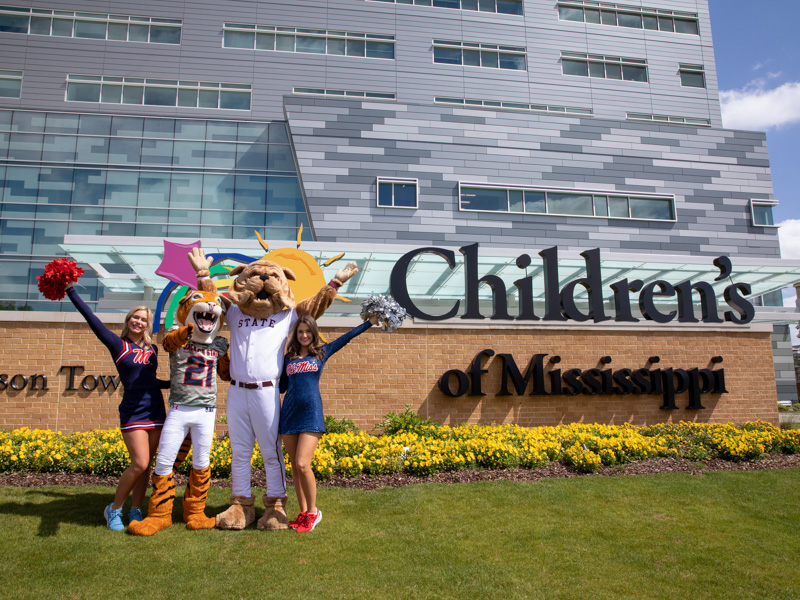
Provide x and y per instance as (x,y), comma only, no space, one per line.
(260,314)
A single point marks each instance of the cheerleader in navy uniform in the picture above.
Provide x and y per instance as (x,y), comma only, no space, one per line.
(141,411)
(302,422)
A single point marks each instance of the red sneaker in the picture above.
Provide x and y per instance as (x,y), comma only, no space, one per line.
(309,521)
(297,520)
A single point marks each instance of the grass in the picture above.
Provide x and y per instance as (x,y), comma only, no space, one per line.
(719,535)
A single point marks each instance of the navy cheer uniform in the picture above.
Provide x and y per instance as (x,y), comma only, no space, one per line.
(302,404)
(142,404)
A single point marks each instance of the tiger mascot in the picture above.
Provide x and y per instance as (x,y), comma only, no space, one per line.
(196,355)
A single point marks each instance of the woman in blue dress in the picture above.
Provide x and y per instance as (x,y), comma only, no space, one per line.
(141,411)
(302,422)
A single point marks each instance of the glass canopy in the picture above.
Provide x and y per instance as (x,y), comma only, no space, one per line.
(432,284)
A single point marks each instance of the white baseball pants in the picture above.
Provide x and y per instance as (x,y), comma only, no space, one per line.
(180,421)
(255,415)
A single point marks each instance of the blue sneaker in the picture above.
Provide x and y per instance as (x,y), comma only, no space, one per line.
(114,518)
(135,514)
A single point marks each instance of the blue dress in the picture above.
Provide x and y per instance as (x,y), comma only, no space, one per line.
(302,404)
(142,405)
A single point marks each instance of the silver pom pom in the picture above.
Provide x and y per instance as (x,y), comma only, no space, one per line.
(390,313)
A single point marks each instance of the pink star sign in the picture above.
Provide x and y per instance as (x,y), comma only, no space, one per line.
(175,265)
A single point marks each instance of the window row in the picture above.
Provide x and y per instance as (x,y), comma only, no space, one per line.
(72,149)
(507,7)
(10,84)
(637,17)
(27,121)
(313,41)
(24,190)
(666,119)
(605,67)
(98,26)
(304,91)
(158,92)
(505,105)
(475,54)
(567,203)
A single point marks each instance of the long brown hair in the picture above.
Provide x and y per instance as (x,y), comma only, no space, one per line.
(315,348)
(146,339)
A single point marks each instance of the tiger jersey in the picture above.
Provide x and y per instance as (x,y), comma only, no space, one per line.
(193,373)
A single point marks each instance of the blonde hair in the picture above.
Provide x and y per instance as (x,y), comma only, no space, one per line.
(146,339)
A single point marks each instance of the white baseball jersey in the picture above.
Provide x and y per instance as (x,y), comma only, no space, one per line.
(258,345)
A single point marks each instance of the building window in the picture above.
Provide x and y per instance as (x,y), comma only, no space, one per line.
(761,213)
(517,106)
(692,76)
(158,92)
(10,84)
(303,91)
(98,26)
(475,54)
(636,17)
(670,120)
(506,7)
(310,41)
(606,67)
(541,201)
(397,192)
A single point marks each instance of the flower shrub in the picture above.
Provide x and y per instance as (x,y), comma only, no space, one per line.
(426,449)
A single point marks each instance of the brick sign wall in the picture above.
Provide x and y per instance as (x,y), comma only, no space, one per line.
(377,373)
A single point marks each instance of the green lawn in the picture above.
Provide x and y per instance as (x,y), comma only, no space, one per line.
(719,535)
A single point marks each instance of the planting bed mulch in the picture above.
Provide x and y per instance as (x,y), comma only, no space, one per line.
(365,482)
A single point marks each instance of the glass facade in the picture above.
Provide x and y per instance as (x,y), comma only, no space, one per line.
(89,174)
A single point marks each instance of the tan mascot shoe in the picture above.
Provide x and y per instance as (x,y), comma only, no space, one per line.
(159,510)
(239,515)
(194,500)
(274,515)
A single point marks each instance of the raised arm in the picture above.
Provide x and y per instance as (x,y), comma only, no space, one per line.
(202,268)
(319,302)
(110,339)
(177,338)
(333,347)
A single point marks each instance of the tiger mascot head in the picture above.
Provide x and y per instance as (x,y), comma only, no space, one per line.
(203,313)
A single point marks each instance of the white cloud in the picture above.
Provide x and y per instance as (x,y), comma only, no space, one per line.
(789,236)
(754,108)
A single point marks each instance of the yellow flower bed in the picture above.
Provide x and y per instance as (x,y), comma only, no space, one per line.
(429,449)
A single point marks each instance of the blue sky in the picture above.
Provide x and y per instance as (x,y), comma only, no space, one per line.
(757,51)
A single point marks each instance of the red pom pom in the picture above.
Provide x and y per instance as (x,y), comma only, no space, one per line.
(57,274)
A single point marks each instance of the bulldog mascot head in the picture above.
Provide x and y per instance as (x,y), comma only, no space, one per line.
(261,311)
(261,288)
